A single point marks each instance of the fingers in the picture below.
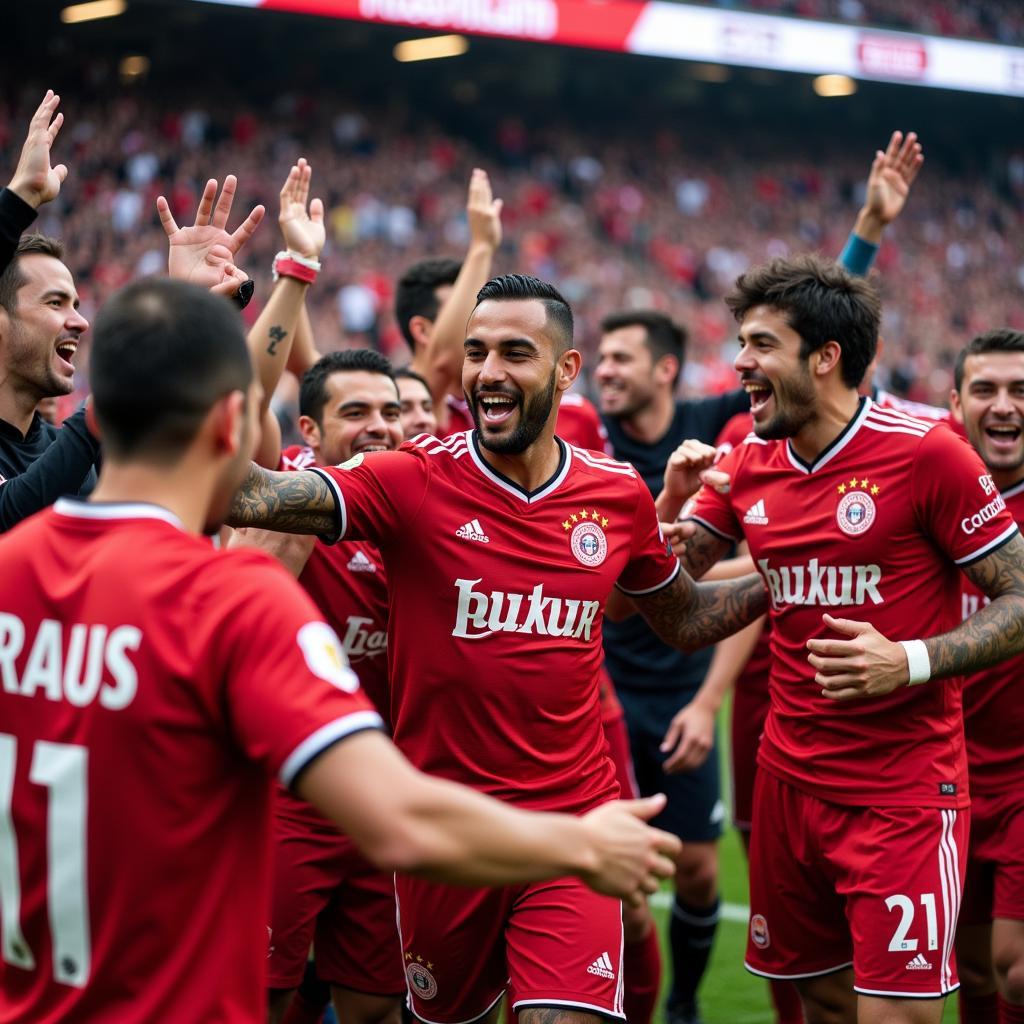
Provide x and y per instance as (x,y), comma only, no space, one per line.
(302,188)
(233,280)
(206,203)
(847,626)
(646,808)
(222,210)
(61,170)
(288,188)
(44,112)
(247,228)
(316,211)
(668,846)
(54,128)
(833,648)
(163,210)
(480,195)
(672,735)
(716,479)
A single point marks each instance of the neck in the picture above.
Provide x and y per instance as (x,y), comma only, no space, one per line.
(833,414)
(1007,478)
(17,407)
(650,424)
(183,489)
(531,469)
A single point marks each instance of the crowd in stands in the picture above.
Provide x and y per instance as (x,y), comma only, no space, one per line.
(621,221)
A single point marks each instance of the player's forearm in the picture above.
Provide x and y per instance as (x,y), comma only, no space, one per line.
(271,336)
(701,551)
(304,352)
(286,502)
(992,634)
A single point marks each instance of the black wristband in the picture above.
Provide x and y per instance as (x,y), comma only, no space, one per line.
(244,295)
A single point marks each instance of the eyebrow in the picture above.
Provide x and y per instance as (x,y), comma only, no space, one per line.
(507,343)
(60,293)
(358,404)
(759,336)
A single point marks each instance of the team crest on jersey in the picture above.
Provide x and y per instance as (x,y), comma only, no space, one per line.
(420,979)
(759,931)
(856,510)
(587,538)
(356,460)
(324,656)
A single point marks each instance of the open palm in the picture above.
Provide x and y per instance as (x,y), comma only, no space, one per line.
(304,232)
(892,174)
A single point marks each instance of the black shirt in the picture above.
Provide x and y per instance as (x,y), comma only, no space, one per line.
(636,658)
(15,216)
(44,465)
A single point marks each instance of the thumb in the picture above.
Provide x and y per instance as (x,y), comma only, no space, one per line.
(647,808)
(847,626)
(316,210)
(498,206)
(61,171)
(671,737)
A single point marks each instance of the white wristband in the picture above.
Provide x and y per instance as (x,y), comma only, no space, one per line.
(918,662)
(305,261)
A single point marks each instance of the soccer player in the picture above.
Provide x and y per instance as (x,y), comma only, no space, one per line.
(859,830)
(152,686)
(501,546)
(988,400)
(417,404)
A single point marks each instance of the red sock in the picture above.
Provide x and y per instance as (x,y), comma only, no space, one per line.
(642,966)
(978,1009)
(786,1000)
(1010,1013)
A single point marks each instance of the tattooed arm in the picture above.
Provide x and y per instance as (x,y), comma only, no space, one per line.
(868,664)
(690,615)
(287,502)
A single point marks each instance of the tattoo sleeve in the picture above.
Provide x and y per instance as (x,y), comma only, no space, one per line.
(995,632)
(690,615)
(703,550)
(288,502)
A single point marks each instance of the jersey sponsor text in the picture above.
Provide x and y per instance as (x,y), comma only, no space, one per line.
(481,614)
(819,584)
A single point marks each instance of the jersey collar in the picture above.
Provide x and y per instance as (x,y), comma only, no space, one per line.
(502,481)
(115,510)
(832,450)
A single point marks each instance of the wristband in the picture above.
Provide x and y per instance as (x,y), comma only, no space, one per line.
(918,662)
(858,255)
(244,295)
(292,264)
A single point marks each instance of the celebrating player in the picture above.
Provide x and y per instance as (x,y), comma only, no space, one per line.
(859,831)
(501,546)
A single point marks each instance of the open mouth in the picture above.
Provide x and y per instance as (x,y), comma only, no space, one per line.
(760,393)
(376,446)
(1003,435)
(66,351)
(495,409)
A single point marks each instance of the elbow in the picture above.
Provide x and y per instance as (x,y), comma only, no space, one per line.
(404,849)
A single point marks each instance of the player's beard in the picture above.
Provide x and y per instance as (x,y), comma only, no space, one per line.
(794,406)
(533,417)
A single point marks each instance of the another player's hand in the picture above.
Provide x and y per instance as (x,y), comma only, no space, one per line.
(483,212)
(35,181)
(632,857)
(690,736)
(684,469)
(892,173)
(864,664)
(292,550)
(205,253)
(304,232)
(677,534)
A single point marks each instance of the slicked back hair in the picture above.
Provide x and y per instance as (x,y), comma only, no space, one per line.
(416,294)
(313,389)
(514,287)
(821,301)
(662,335)
(1000,339)
(12,278)
(163,354)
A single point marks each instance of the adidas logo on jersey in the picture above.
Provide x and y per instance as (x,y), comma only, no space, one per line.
(602,967)
(755,514)
(919,964)
(473,531)
(360,563)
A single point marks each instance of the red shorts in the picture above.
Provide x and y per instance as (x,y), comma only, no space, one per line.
(995,859)
(325,892)
(555,944)
(750,702)
(616,735)
(878,887)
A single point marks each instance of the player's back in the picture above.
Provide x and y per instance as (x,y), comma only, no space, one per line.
(132,821)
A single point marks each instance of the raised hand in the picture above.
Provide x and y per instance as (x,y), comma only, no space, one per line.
(483,212)
(304,232)
(35,181)
(205,253)
(891,176)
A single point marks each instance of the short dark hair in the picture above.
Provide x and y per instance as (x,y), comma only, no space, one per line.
(313,389)
(417,288)
(163,353)
(405,373)
(662,335)
(822,302)
(12,278)
(1000,339)
(512,287)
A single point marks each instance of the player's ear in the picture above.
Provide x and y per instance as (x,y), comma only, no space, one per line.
(570,362)
(310,430)
(666,369)
(955,406)
(826,359)
(420,328)
(227,422)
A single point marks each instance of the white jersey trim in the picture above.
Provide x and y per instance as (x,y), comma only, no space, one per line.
(905,995)
(793,977)
(572,1004)
(949,873)
(518,492)
(326,736)
(339,498)
(115,510)
(1014,490)
(844,438)
(651,590)
(470,1020)
(602,462)
(1006,535)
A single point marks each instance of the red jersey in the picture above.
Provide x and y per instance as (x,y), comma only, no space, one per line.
(874,530)
(494,624)
(578,422)
(152,686)
(993,710)
(887,400)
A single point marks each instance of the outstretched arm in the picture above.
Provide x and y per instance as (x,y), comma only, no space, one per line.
(287,502)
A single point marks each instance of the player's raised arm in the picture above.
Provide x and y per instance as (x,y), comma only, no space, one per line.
(287,502)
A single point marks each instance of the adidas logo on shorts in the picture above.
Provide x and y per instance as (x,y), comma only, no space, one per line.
(919,964)
(473,531)
(602,967)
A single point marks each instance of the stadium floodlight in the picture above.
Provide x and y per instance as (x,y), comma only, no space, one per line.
(133,66)
(834,85)
(431,48)
(93,10)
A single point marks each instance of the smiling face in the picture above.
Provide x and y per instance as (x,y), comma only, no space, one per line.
(41,335)
(990,404)
(627,376)
(511,371)
(778,380)
(417,407)
(362,414)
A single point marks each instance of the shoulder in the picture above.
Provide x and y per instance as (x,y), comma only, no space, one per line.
(887,400)
(448,449)
(588,461)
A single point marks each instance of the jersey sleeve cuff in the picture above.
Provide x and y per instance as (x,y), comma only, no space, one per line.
(713,529)
(340,513)
(325,737)
(651,590)
(993,545)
